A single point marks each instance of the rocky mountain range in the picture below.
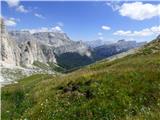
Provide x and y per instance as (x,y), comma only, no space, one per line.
(41,50)
(24,50)
(105,51)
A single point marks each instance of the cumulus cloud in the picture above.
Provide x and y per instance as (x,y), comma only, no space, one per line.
(13,3)
(44,29)
(39,16)
(104,27)
(122,33)
(21,9)
(136,10)
(17,6)
(142,33)
(10,22)
(15,19)
(139,11)
(57,28)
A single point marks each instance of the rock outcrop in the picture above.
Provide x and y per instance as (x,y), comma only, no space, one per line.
(10,52)
(54,39)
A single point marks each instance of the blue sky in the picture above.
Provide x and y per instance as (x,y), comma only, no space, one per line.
(86,20)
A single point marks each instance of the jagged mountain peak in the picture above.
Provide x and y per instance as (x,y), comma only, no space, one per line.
(55,39)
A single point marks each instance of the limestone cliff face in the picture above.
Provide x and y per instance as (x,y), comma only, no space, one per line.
(48,53)
(32,48)
(10,52)
(30,52)
(54,39)
(22,49)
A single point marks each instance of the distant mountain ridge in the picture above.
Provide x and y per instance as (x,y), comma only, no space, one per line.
(97,43)
(105,51)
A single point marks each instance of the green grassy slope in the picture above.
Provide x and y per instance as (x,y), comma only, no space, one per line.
(49,66)
(123,89)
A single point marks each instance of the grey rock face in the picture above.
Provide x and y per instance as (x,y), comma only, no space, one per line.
(30,52)
(32,48)
(22,49)
(61,43)
(48,53)
(9,49)
(51,42)
(21,36)
(54,39)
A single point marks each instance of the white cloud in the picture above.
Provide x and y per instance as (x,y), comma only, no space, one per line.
(100,33)
(155,29)
(122,33)
(44,29)
(142,33)
(135,10)
(39,16)
(57,28)
(21,9)
(10,22)
(105,27)
(17,6)
(139,10)
(13,3)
